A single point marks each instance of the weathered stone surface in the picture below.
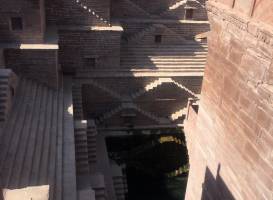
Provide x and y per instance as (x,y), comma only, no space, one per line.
(33,21)
(40,192)
(230,141)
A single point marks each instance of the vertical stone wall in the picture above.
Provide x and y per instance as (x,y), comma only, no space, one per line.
(104,46)
(39,65)
(31,13)
(231,144)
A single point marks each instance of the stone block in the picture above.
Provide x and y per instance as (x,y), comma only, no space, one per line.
(37,192)
(254,65)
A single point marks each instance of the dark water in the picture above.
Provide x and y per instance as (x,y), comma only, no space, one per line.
(147,165)
(143,186)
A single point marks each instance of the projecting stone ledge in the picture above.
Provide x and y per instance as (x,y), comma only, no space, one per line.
(92,28)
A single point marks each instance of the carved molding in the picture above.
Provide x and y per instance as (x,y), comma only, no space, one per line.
(262,32)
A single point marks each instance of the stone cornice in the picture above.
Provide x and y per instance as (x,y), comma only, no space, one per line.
(259,30)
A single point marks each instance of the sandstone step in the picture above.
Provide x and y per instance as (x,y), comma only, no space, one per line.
(17,135)
(7,139)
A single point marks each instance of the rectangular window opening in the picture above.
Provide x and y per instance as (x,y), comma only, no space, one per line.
(16,23)
(189,14)
(158,38)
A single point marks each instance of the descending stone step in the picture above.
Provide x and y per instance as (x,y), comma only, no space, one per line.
(137,36)
(8,84)
(188,56)
(92,143)
(151,86)
(77,101)
(173,7)
(178,114)
(86,194)
(99,186)
(32,148)
(106,89)
(81,148)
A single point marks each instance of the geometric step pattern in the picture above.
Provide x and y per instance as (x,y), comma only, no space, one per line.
(99,186)
(187,57)
(81,148)
(8,83)
(119,187)
(92,143)
(34,145)
(137,36)
(173,7)
(131,105)
(91,11)
(86,194)
(157,83)
(77,101)
(119,181)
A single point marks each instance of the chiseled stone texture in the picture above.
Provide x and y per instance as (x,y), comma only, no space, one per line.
(33,18)
(39,65)
(104,46)
(231,144)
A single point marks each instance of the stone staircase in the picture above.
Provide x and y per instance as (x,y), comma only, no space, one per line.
(105,89)
(151,86)
(86,194)
(138,8)
(185,88)
(177,4)
(148,114)
(8,83)
(119,181)
(92,11)
(137,36)
(131,105)
(99,186)
(173,7)
(180,113)
(81,148)
(110,113)
(92,143)
(77,101)
(170,32)
(36,141)
(186,57)
(119,187)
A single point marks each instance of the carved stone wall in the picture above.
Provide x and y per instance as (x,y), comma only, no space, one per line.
(103,46)
(231,145)
(32,15)
(36,64)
